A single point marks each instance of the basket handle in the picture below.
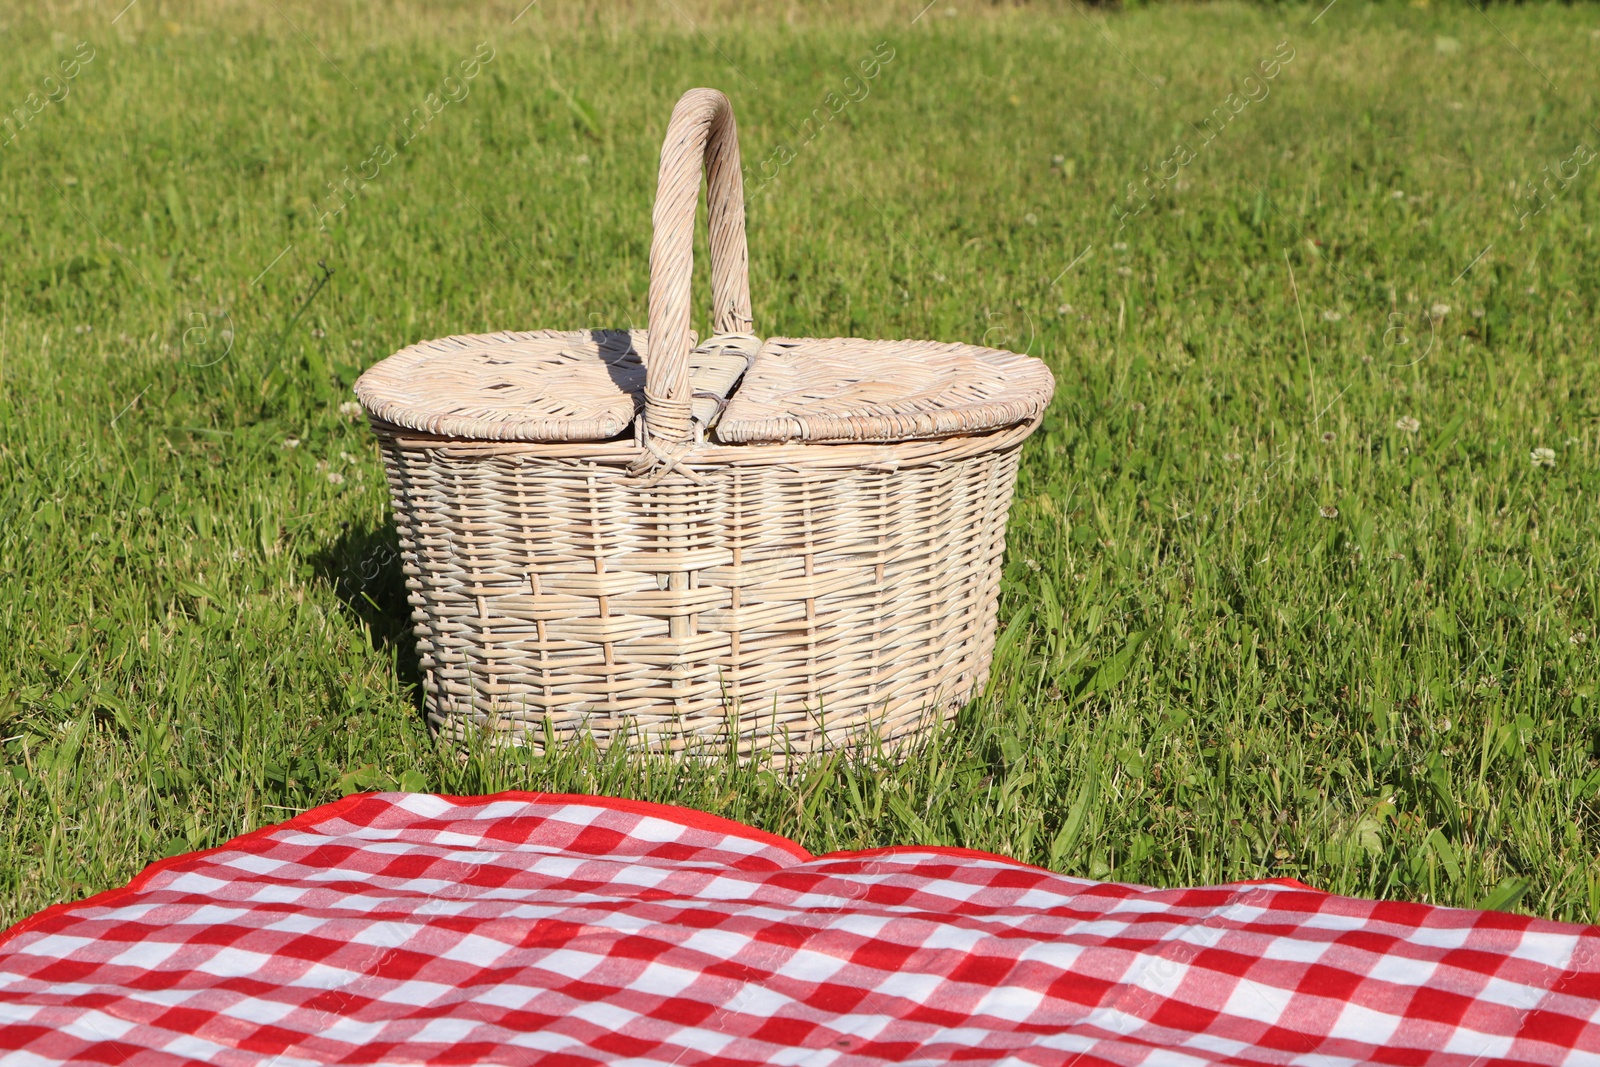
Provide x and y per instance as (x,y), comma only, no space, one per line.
(701,133)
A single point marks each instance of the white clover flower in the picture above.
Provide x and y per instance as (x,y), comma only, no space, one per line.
(1328,511)
(335,477)
(350,408)
(291,442)
(1543,457)
(1408,423)
(1439,311)
(1331,316)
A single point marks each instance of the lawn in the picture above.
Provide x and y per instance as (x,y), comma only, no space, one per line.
(1301,578)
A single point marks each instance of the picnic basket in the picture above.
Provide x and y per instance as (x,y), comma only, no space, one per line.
(777,546)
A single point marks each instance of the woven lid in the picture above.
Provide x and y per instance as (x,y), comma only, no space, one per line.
(847,389)
(547,385)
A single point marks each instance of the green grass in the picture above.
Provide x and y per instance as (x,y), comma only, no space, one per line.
(1250,627)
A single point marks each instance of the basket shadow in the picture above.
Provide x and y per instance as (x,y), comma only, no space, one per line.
(623,365)
(362,567)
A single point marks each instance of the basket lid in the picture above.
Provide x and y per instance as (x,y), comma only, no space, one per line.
(588,385)
(848,389)
(545,385)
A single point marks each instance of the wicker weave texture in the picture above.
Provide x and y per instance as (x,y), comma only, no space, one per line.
(828,573)
(780,604)
(544,385)
(700,133)
(849,389)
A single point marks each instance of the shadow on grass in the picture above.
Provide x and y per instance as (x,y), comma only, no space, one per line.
(363,568)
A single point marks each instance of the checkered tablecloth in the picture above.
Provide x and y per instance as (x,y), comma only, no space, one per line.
(563,930)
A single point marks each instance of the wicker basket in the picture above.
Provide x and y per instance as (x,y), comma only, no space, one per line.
(781,546)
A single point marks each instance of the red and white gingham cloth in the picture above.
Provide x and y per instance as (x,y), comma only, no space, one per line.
(530,928)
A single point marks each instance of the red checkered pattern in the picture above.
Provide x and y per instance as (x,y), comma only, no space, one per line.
(529,928)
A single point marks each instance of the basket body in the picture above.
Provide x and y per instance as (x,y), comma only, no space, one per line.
(797,547)
(782,598)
